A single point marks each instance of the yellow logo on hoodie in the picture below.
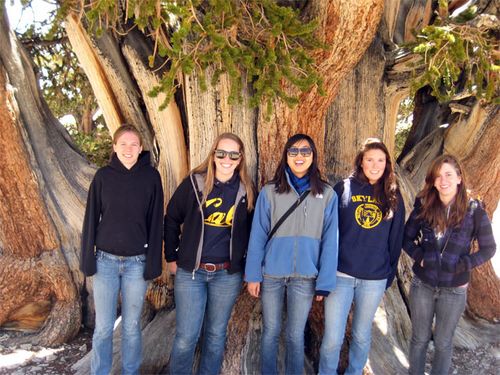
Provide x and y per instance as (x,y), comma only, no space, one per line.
(368,215)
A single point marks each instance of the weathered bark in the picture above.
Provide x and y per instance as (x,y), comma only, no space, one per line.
(82,46)
(347,124)
(208,114)
(86,123)
(43,182)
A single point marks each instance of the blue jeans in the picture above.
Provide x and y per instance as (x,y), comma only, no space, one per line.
(367,295)
(446,305)
(115,273)
(299,295)
(209,297)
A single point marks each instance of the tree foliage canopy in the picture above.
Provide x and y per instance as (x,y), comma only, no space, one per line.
(460,54)
(254,41)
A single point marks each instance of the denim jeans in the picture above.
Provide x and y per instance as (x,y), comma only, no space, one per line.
(367,295)
(207,297)
(115,273)
(446,305)
(299,295)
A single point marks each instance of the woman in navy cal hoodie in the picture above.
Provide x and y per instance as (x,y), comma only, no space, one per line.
(207,226)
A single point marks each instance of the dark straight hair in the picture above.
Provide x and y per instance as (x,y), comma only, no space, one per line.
(280,181)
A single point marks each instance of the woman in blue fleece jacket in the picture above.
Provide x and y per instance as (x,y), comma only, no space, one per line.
(371,222)
(301,257)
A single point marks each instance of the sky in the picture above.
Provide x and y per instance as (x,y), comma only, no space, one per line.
(20,19)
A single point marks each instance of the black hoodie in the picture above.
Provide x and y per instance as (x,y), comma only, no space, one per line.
(124,215)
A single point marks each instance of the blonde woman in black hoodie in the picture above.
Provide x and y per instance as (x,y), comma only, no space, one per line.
(121,246)
(213,207)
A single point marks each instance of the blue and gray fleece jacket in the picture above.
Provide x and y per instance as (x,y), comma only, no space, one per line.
(305,245)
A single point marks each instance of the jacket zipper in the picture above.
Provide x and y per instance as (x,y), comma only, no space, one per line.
(295,241)
(447,239)
(239,197)
(200,243)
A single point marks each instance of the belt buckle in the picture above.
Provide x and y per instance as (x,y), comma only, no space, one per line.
(210,267)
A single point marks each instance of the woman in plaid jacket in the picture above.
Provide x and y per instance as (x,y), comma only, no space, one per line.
(438,236)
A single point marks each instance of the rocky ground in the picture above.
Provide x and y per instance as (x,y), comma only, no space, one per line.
(34,360)
(30,359)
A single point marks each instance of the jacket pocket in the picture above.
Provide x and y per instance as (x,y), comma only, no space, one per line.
(416,282)
(430,259)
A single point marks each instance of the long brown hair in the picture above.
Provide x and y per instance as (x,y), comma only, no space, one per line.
(280,181)
(208,169)
(386,188)
(432,208)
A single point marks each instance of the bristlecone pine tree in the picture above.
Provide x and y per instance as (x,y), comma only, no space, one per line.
(44,179)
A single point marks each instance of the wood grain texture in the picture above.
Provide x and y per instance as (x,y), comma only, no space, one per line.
(358,112)
(208,114)
(86,51)
(166,124)
(40,224)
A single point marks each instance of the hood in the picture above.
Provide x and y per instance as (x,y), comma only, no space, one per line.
(359,182)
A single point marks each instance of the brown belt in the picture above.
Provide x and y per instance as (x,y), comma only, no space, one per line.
(212,267)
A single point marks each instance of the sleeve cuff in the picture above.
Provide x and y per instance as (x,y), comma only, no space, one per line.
(418,255)
(323,293)
(171,258)
(464,264)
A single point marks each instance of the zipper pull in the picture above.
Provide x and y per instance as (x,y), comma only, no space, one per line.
(193,274)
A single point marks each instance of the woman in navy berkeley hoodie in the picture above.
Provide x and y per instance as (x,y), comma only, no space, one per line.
(371,222)
(121,246)
(301,257)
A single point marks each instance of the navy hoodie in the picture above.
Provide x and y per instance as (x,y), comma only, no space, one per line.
(369,244)
(124,215)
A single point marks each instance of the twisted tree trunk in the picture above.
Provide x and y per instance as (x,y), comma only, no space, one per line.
(43,180)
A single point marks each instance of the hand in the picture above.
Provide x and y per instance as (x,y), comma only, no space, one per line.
(254,289)
(172,267)
(319,298)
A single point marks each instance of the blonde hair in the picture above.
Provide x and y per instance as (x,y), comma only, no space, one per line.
(207,167)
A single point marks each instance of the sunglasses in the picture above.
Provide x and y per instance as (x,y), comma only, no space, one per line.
(304,151)
(233,155)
